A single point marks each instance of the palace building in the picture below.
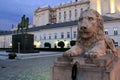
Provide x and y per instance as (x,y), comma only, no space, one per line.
(51,25)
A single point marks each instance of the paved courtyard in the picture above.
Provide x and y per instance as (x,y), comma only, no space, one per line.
(26,69)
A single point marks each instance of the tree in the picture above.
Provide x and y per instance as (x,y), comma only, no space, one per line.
(61,44)
(47,44)
(72,43)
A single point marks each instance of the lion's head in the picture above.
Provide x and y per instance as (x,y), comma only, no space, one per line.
(91,40)
(90,24)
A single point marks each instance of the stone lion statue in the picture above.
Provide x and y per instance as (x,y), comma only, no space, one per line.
(91,40)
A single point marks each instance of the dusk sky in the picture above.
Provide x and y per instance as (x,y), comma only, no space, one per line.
(11,11)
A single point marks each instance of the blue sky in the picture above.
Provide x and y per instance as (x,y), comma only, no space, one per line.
(12,10)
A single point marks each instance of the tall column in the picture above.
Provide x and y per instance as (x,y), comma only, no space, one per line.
(118,5)
(96,5)
(105,7)
(99,6)
(112,6)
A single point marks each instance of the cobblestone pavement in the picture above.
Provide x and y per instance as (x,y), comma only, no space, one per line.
(26,69)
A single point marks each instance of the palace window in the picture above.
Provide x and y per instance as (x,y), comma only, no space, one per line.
(68,34)
(35,37)
(55,35)
(81,9)
(59,15)
(70,14)
(44,37)
(64,15)
(116,44)
(40,37)
(106,31)
(62,35)
(49,36)
(75,13)
(115,31)
(75,34)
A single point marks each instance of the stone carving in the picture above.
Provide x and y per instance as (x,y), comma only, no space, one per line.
(91,40)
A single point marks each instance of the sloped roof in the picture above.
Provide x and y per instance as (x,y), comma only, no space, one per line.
(5,32)
(66,24)
(56,25)
(107,18)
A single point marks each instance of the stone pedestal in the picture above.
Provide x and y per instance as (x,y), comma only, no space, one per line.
(104,68)
(23,43)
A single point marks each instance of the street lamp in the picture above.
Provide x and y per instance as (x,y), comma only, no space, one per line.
(4,42)
(18,47)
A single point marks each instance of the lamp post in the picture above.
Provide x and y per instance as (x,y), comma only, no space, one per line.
(4,42)
(18,47)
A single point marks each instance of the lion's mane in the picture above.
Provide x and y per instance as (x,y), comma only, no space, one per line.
(98,34)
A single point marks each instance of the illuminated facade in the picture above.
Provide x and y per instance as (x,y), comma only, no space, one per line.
(71,11)
(60,23)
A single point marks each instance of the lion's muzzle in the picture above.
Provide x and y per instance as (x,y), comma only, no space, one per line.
(83,28)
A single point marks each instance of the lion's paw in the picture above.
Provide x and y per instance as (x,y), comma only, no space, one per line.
(69,53)
(91,54)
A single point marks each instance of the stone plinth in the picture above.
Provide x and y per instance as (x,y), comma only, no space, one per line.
(61,69)
(104,68)
(23,43)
